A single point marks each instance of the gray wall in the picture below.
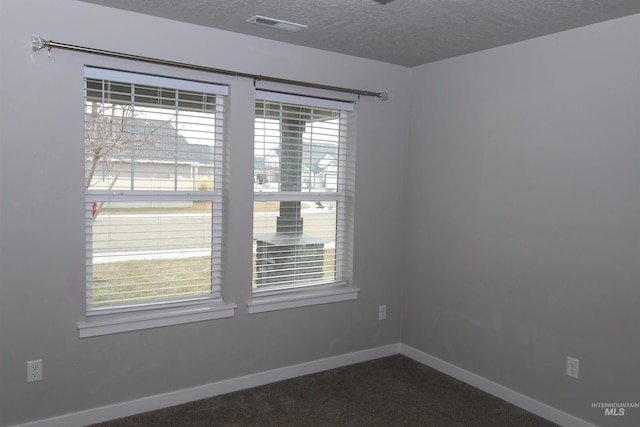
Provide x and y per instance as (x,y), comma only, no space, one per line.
(523,243)
(42,226)
(519,218)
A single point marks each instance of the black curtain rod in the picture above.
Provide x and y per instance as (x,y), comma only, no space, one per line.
(38,43)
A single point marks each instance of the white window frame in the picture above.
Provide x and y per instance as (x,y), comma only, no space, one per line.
(341,289)
(101,322)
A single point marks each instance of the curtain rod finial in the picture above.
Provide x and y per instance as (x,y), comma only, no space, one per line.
(383,96)
(37,43)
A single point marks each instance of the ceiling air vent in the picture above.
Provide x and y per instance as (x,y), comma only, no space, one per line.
(276,23)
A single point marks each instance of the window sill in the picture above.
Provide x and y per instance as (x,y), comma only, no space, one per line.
(116,323)
(301,299)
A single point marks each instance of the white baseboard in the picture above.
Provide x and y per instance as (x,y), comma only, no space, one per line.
(125,409)
(151,403)
(520,400)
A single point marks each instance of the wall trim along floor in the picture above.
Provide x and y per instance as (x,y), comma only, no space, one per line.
(520,400)
(124,409)
(151,403)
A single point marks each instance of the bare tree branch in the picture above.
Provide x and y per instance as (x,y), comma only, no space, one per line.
(109,136)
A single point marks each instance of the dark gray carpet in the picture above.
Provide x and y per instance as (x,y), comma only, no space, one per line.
(392,391)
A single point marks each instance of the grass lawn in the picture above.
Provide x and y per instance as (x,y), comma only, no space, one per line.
(144,281)
(150,281)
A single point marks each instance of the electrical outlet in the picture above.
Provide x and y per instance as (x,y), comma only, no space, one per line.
(573,367)
(34,371)
(382,312)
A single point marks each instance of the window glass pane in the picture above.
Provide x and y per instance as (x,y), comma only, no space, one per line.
(296,148)
(129,147)
(149,251)
(284,257)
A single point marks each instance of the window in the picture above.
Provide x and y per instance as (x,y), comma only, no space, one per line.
(303,185)
(153,205)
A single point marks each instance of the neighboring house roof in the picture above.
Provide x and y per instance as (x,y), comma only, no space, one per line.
(317,156)
(318,150)
(158,144)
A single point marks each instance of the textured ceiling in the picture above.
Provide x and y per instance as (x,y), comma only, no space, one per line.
(403,32)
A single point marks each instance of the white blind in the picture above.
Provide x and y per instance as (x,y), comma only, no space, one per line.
(302,222)
(154,169)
